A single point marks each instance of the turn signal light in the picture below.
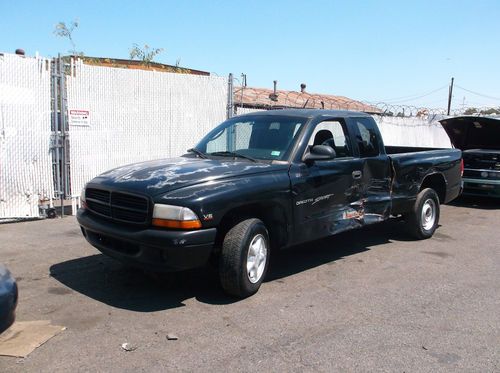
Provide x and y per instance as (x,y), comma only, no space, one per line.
(177,224)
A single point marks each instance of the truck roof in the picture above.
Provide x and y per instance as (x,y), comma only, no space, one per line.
(309,113)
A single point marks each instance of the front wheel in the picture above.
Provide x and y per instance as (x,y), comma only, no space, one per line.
(424,218)
(244,258)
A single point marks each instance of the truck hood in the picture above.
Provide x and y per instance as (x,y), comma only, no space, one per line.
(469,132)
(164,175)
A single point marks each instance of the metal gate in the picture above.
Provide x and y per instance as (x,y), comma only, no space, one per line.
(59,138)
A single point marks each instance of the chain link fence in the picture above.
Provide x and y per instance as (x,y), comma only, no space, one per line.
(62,122)
(119,116)
(26,176)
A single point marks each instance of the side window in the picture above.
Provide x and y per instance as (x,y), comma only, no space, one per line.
(332,133)
(367,139)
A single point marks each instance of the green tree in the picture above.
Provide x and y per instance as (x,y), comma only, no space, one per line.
(65,31)
(146,54)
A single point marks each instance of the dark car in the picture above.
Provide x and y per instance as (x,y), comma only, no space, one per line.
(479,139)
(262,182)
(8,298)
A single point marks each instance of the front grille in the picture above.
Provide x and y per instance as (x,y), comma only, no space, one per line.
(482,174)
(98,194)
(124,207)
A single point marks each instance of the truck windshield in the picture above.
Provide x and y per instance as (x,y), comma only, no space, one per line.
(257,137)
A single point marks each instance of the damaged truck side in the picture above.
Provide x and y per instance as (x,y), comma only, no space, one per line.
(261,182)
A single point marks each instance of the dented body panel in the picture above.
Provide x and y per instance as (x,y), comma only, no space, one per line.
(298,200)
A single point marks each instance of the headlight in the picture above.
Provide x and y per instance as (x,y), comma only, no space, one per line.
(168,216)
(83,205)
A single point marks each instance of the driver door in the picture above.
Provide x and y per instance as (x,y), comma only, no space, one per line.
(327,193)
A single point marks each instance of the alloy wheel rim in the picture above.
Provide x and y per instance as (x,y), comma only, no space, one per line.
(256,258)
(428,214)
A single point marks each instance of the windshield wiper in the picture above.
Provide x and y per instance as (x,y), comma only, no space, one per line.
(197,152)
(234,154)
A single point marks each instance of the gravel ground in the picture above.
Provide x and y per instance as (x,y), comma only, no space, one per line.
(366,300)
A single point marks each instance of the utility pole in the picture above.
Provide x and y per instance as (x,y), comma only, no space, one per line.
(450,94)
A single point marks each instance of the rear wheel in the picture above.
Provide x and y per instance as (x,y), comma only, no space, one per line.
(244,258)
(424,218)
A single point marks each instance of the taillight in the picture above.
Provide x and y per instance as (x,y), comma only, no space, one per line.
(461,167)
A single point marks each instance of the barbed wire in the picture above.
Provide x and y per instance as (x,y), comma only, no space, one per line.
(268,99)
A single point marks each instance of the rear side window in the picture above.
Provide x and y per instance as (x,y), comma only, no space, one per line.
(367,139)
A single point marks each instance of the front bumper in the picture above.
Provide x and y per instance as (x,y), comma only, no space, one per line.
(147,247)
(481,187)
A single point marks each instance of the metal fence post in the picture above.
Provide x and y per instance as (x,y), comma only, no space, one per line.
(230,100)
(56,162)
(60,161)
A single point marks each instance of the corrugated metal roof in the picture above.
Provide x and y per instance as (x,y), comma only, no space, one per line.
(265,98)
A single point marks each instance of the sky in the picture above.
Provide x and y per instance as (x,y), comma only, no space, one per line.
(398,52)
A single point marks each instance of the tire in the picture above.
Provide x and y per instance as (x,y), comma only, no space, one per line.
(424,218)
(244,258)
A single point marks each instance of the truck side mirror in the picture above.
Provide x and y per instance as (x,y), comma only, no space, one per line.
(319,153)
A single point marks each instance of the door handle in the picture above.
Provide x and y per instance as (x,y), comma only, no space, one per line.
(357,175)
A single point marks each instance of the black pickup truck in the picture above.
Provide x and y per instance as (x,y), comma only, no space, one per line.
(261,182)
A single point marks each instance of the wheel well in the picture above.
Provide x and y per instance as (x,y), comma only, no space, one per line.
(436,182)
(272,215)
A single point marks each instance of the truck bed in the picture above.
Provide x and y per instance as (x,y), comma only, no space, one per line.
(408,149)
(411,164)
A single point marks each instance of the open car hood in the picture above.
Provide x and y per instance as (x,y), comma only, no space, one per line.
(469,132)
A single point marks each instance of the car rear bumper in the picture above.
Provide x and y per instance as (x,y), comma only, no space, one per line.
(146,247)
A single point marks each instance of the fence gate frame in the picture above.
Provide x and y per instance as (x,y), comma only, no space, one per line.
(60,130)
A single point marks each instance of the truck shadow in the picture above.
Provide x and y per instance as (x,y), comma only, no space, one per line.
(483,203)
(114,284)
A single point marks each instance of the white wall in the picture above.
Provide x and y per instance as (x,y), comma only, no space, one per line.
(412,131)
(423,131)
(25,119)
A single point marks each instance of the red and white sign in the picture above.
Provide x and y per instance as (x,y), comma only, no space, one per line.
(79,117)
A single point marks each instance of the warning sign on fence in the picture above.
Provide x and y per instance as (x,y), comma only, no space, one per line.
(79,117)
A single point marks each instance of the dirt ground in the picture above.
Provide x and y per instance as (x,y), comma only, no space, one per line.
(365,300)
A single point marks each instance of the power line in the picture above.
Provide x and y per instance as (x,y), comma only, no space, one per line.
(428,103)
(415,96)
(477,93)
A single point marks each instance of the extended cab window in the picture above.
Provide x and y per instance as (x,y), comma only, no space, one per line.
(332,133)
(367,139)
